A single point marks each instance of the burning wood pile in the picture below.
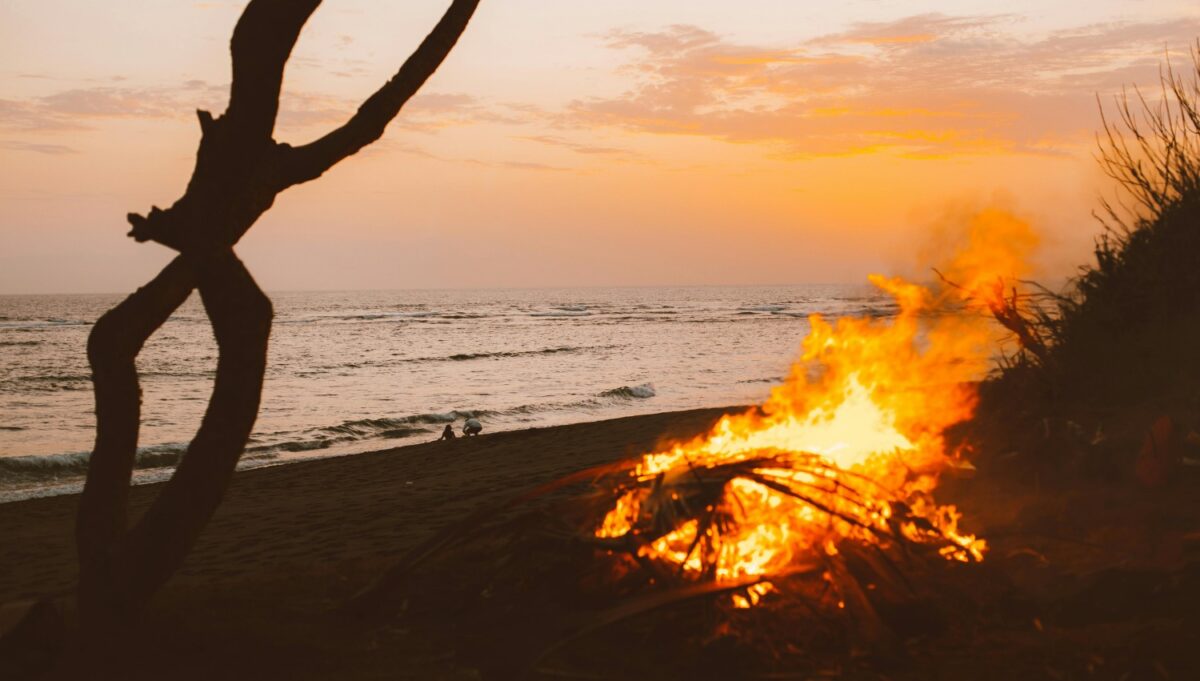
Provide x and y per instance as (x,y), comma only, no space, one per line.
(848,449)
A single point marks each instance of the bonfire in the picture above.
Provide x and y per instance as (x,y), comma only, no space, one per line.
(847,451)
(814,510)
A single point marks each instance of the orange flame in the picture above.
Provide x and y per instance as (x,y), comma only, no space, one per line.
(857,428)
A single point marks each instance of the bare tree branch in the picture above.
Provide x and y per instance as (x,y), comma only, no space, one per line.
(114,343)
(311,160)
(262,42)
(240,314)
(235,178)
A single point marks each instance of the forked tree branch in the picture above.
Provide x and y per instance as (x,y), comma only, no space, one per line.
(309,161)
(240,168)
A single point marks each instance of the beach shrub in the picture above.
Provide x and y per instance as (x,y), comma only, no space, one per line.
(1123,336)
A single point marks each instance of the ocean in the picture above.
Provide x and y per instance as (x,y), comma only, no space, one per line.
(350,372)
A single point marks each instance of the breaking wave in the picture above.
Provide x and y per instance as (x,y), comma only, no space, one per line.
(40,323)
(636,392)
(561,313)
(520,353)
(15,469)
(73,464)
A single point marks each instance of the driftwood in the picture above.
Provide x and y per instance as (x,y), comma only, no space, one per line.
(240,169)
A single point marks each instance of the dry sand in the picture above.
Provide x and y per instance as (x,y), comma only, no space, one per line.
(290,542)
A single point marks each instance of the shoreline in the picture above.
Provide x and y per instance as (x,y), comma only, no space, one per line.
(71,484)
(356,508)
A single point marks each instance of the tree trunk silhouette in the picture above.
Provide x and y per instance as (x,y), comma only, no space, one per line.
(239,171)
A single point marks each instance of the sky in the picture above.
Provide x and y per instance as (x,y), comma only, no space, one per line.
(580,143)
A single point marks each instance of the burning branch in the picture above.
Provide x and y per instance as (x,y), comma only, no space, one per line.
(762,515)
(1007,311)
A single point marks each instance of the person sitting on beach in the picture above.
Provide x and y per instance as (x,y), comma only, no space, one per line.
(472,426)
(447,433)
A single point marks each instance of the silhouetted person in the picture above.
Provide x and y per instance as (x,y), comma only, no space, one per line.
(472,426)
(447,433)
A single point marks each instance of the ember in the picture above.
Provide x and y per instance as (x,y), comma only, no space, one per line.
(849,448)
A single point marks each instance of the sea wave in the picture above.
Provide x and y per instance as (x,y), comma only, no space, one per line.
(41,323)
(360,427)
(458,357)
(635,392)
(74,464)
(46,384)
(561,313)
(515,353)
(14,469)
(23,470)
(358,430)
(420,314)
(325,318)
(764,308)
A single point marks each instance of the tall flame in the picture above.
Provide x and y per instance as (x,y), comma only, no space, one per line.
(857,428)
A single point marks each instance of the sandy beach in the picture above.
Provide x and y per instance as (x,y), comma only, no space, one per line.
(1069,573)
(292,541)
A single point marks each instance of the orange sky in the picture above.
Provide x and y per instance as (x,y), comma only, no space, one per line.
(578,143)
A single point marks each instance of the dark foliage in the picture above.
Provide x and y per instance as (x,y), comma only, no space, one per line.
(1120,342)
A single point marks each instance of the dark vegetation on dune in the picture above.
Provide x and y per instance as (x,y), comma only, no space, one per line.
(1116,351)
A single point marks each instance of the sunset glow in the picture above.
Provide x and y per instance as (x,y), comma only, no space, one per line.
(575,143)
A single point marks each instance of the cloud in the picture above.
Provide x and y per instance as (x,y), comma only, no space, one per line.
(434,111)
(577,147)
(922,86)
(921,28)
(111,102)
(48,149)
(524,165)
(82,108)
(388,146)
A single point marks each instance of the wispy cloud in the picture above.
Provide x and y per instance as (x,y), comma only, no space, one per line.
(48,149)
(925,85)
(921,86)
(575,146)
(82,108)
